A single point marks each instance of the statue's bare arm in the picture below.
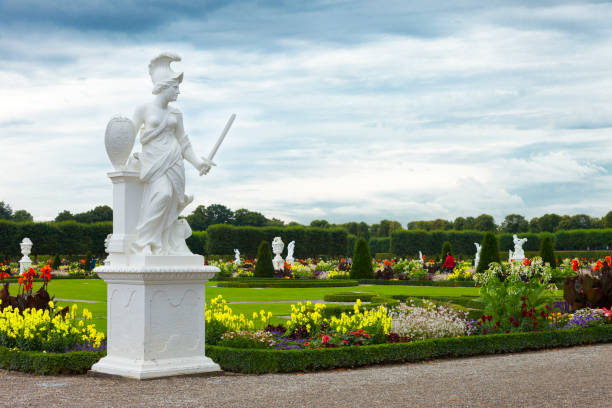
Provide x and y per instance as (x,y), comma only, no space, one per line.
(201,164)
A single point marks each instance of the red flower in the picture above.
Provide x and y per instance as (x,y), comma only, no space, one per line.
(325,339)
(575,265)
(526,262)
(515,323)
(307,343)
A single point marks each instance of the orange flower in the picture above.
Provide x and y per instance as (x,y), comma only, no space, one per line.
(526,262)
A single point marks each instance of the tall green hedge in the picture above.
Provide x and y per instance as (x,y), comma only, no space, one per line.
(309,241)
(67,237)
(379,245)
(408,243)
(264,267)
(197,242)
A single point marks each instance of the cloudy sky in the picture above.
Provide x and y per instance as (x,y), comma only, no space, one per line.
(346,110)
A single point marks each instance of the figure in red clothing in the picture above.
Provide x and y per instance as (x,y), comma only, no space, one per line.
(449,263)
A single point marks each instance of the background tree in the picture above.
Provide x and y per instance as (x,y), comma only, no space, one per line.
(22,216)
(547,251)
(578,221)
(489,252)
(484,222)
(459,224)
(6,212)
(99,214)
(243,216)
(264,267)
(64,216)
(219,214)
(198,220)
(362,263)
(514,223)
(607,220)
(275,222)
(320,223)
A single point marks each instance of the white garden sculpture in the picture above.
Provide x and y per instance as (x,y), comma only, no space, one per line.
(518,254)
(26,248)
(477,257)
(156,293)
(277,249)
(290,249)
(236,257)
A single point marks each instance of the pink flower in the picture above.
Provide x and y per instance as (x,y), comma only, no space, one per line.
(325,339)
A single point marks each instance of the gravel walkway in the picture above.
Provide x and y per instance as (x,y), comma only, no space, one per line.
(574,377)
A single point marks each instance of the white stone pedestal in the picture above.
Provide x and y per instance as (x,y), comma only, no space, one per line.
(156,317)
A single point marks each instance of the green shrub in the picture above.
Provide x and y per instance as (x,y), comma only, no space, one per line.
(362,262)
(380,244)
(384,255)
(446,249)
(489,252)
(450,283)
(273,361)
(547,251)
(264,267)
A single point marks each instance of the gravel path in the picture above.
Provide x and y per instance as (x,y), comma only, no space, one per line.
(574,377)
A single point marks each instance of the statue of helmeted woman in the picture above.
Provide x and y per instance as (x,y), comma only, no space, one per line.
(165,146)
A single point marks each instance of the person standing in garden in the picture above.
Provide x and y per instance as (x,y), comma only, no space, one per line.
(449,263)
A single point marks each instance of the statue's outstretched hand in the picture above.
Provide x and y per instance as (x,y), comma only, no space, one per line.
(204,166)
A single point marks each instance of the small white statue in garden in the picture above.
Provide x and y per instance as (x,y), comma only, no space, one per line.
(290,249)
(277,249)
(477,257)
(518,254)
(236,257)
(421,257)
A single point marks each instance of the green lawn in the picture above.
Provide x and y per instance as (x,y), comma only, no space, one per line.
(95,289)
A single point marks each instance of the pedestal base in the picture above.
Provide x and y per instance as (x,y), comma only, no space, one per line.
(156,318)
(142,370)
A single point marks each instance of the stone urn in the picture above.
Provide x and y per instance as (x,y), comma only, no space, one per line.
(119,141)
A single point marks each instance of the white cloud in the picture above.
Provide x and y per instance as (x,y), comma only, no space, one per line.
(392,126)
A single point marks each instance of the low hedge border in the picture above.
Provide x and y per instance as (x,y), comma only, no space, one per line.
(286,283)
(15,278)
(76,362)
(258,361)
(463,284)
(349,296)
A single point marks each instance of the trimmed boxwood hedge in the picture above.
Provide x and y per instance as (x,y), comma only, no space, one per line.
(260,361)
(349,296)
(286,283)
(76,362)
(463,284)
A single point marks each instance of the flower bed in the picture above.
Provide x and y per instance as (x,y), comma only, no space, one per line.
(260,361)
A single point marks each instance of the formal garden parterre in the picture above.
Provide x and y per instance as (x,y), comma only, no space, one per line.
(515,306)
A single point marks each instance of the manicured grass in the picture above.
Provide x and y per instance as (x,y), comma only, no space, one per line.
(81,289)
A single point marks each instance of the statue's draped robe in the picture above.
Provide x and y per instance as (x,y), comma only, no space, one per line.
(163,176)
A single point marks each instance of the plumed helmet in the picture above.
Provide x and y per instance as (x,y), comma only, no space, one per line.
(160,71)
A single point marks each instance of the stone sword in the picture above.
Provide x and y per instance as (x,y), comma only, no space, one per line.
(219,141)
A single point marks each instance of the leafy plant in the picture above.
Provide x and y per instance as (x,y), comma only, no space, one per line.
(446,249)
(590,289)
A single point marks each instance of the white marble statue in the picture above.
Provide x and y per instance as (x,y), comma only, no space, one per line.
(518,254)
(421,257)
(236,257)
(477,257)
(290,249)
(277,249)
(156,286)
(164,147)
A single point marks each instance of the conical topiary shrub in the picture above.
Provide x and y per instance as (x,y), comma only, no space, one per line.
(362,263)
(56,262)
(264,267)
(547,251)
(489,252)
(446,249)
